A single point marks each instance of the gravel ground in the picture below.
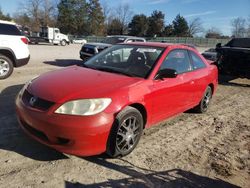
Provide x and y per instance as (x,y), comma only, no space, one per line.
(190,150)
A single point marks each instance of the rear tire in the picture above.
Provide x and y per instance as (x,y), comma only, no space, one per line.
(125,132)
(205,101)
(6,67)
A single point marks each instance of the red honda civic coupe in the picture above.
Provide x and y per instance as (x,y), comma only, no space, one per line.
(104,105)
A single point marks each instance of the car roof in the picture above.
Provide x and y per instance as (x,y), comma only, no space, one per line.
(7,22)
(160,44)
(125,36)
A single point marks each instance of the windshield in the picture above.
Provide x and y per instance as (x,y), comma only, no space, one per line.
(130,60)
(114,40)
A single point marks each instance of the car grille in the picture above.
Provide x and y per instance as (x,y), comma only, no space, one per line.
(36,102)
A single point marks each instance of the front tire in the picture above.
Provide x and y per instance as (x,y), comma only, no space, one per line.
(125,132)
(205,101)
(63,42)
(6,67)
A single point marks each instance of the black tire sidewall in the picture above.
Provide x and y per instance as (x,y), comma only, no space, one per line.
(10,66)
(208,89)
(112,149)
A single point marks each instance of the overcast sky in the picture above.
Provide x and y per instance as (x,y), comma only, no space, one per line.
(214,13)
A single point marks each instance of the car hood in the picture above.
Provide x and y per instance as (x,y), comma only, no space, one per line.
(78,83)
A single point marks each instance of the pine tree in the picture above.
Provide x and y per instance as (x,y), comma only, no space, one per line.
(168,31)
(95,18)
(115,27)
(72,16)
(155,24)
(138,25)
(180,26)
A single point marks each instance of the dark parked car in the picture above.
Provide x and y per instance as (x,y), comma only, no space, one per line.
(90,49)
(234,57)
(210,54)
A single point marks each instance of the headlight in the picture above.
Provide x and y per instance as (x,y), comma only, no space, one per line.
(84,107)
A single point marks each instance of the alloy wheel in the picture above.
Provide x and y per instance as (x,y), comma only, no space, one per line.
(128,134)
(4,67)
(206,99)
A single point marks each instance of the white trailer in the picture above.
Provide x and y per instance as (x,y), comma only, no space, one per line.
(51,35)
(54,36)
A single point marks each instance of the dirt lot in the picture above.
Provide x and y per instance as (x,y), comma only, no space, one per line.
(190,150)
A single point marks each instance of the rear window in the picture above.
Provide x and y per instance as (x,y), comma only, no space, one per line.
(197,61)
(8,29)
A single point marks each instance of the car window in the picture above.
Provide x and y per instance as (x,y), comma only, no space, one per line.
(114,40)
(139,40)
(197,61)
(130,40)
(8,29)
(177,60)
(127,59)
(118,56)
(211,50)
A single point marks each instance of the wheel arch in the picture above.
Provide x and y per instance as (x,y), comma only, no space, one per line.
(141,108)
(212,87)
(9,53)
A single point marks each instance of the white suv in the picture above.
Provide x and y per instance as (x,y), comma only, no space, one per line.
(14,50)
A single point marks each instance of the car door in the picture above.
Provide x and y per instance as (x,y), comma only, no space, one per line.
(199,74)
(173,95)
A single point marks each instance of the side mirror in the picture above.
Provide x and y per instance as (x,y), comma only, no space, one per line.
(166,73)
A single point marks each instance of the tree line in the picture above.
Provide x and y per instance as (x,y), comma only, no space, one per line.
(90,17)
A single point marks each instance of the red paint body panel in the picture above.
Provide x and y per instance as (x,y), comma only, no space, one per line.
(78,82)
(88,135)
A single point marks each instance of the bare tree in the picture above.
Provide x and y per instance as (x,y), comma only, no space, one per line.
(213,33)
(32,9)
(39,12)
(239,27)
(22,19)
(106,10)
(195,26)
(123,13)
(108,16)
(248,29)
(48,11)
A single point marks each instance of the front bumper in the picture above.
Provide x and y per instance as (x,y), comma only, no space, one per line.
(77,135)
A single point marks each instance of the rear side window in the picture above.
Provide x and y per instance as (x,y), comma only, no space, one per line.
(139,40)
(197,61)
(177,60)
(8,29)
